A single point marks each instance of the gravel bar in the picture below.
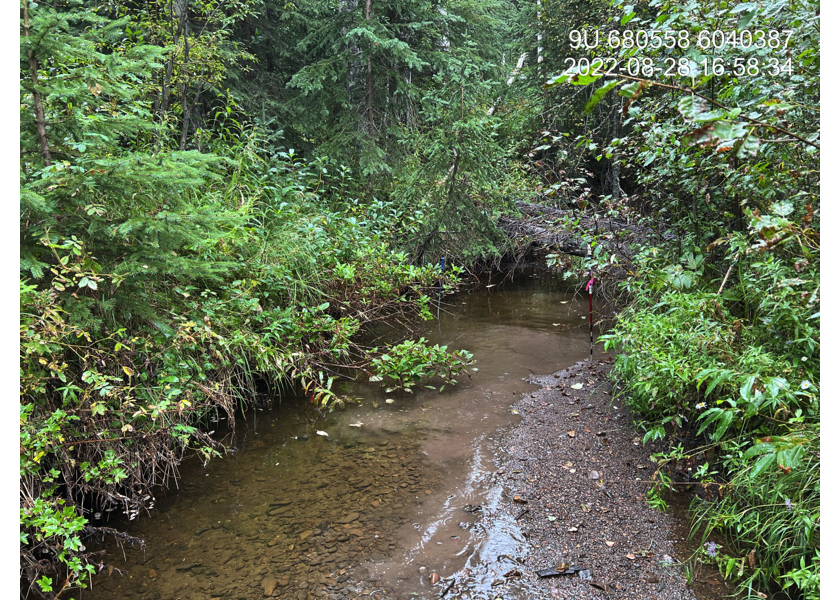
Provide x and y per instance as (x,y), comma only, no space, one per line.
(574,474)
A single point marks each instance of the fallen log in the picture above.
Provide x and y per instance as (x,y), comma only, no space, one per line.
(570,232)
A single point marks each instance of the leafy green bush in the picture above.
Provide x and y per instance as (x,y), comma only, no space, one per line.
(738,370)
(408,363)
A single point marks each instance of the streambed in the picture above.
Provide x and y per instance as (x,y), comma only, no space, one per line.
(372,510)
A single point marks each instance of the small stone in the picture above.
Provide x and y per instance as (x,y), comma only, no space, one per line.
(348,518)
(268,585)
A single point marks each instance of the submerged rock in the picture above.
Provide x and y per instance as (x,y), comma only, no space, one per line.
(268,585)
(348,518)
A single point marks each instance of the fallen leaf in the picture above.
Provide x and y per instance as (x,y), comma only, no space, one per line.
(610,544)
(631,556)
(551,518)
(520,499)
(571,433)
(577,386)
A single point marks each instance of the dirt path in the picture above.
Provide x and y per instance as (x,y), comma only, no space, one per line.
(574,473)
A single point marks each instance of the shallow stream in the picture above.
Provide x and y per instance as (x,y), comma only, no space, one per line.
(395,494)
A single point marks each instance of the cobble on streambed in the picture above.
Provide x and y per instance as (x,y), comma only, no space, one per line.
(297,543)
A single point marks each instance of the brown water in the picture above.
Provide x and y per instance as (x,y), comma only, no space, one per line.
(383,501)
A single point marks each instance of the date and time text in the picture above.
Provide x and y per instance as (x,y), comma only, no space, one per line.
(770,47)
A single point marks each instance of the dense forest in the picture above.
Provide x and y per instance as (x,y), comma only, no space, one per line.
(217,198)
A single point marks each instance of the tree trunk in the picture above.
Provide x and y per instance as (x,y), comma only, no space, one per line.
(615,168)
(185,105)
(170,64)
(369,99)
(40,119)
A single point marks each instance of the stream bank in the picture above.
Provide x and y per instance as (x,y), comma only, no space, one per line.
(575,475)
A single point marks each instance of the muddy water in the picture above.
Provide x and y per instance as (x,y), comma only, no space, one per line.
(395,494)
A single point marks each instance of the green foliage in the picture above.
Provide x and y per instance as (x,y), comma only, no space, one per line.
(408,363)
(456,174)
(731,367)
(721,334)
(769,517)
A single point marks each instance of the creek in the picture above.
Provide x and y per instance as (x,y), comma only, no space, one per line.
(400,490)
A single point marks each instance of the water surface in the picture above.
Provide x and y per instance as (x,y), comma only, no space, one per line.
(372,509)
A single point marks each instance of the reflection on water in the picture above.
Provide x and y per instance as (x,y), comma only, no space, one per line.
(376,509)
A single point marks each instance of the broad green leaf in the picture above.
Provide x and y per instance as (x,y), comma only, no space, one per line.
(632,90)
(599,94)
(747,18)
(760,448)
(791,457)
(557,80)
(763,463)
(747,146)
(691,107)
(580,79)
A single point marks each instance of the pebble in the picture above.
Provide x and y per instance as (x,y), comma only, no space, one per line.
(348,518)
(268,585)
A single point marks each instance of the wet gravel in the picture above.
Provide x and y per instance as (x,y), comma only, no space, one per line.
(574,473)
